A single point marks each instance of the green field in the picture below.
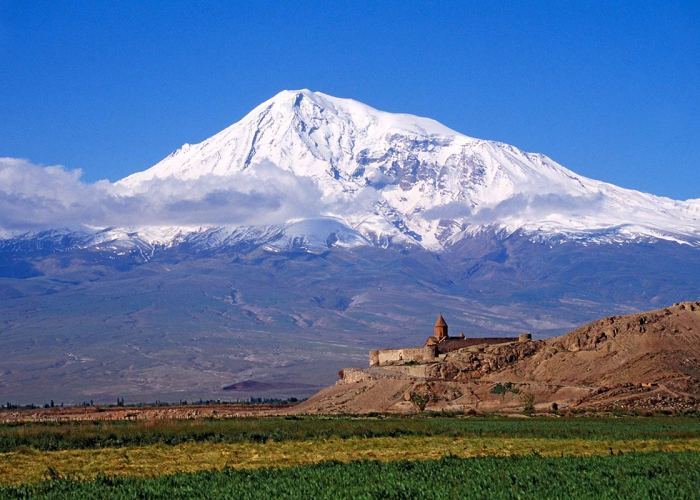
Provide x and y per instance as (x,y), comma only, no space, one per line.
(652,475)
(101,434)
(368,457)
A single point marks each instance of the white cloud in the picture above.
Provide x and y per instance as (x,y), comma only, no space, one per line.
(36,197)
(520,206)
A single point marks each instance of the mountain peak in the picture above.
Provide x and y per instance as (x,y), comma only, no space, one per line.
(414,179)
(295,96)
(296,124)
(359,114)
(291,99)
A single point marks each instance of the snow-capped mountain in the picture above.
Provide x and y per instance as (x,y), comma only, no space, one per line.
(308,171)
(292,242)
(400,178)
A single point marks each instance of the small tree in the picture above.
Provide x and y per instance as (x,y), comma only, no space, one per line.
(528,401)
(420,401)
(555,408)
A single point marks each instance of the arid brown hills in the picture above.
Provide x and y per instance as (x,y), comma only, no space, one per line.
(647,361)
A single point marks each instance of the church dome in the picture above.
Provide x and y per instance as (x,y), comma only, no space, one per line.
(440,328)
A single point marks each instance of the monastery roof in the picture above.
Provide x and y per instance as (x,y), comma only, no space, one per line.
(440,321)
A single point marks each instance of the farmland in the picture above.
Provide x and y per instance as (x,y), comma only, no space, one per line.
(627,476)
(302,456)
(102,434)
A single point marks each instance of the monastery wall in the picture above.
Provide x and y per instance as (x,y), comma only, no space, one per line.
(397,356)
(452,344)
(388,357)
(439,344)
(416,371)
(351,375)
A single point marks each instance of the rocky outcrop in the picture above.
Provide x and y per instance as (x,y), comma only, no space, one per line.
(642,362)
(475,362)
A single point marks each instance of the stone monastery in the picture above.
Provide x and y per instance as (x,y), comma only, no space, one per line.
(439,343)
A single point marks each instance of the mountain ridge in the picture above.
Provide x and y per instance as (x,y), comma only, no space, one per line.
(358,174)
(429,184)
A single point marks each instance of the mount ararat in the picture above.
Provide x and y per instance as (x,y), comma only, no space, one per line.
(392,177)
(315,228)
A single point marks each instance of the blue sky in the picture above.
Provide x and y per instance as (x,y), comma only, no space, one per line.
(609,89)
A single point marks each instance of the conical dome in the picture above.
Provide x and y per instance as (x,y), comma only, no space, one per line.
(440,328)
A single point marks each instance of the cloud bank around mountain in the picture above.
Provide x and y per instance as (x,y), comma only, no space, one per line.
(519,206)
(36,197)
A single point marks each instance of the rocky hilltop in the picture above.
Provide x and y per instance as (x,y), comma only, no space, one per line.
(646,361)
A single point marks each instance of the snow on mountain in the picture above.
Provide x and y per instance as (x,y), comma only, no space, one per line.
(315,236)
(384,178)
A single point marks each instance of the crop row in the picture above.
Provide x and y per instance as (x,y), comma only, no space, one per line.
(651,475)
(100,434)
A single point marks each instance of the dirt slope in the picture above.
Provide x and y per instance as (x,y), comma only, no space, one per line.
(661,346)
(646,361)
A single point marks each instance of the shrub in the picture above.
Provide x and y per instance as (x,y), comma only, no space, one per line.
(528,401)
(504,388)
(420,401)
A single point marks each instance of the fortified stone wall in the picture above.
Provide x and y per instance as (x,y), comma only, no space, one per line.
(416,371)
(396,372)
(452,344)
(351,375)
(387,357)
(399,356)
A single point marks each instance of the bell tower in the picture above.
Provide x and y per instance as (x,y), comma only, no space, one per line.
(440,328)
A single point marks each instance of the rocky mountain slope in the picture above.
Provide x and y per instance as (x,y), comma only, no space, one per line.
(646,361)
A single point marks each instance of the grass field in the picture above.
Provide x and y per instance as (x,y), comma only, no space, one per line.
(25,466)
(137,459)
(651,475)
(101,434)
